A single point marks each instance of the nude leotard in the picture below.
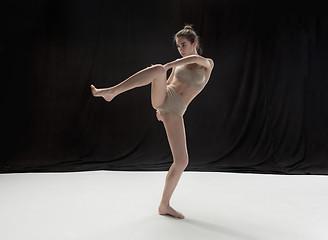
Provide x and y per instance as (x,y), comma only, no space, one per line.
(194,77)
(173,102)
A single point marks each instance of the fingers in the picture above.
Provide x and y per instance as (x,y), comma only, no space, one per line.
(158,115)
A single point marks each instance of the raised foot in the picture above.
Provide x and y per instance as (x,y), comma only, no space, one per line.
(168,210)
(106,93)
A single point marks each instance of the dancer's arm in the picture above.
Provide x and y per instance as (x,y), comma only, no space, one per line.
(169,80)
(205,62)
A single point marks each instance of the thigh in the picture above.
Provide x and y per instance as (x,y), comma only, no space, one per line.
(158,89)
(175,131)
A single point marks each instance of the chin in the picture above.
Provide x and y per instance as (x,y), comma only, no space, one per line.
(186,54)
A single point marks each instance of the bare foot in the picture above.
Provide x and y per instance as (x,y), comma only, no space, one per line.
(106,93)
(168,210)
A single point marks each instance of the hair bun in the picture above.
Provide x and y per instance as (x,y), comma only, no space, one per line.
(188,27)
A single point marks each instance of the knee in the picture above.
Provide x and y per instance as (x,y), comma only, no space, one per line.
(181,163)
(158,69)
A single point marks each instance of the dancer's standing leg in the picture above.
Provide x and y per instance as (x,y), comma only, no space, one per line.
(175,131)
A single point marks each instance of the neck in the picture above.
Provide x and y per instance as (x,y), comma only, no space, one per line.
(193,53)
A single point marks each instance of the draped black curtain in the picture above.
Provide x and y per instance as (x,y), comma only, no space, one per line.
(264,110)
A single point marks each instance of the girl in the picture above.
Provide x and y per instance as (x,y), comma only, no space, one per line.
(170,97)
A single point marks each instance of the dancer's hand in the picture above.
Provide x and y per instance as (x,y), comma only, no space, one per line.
(164,66)
(159,116)
(167,66)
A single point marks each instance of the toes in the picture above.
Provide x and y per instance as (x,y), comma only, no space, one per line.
(93,90)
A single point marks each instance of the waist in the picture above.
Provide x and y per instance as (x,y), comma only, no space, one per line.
(185,90)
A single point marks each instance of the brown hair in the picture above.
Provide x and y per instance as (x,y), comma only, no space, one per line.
(189,33)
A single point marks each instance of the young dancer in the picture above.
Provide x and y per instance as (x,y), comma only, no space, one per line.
(170,97)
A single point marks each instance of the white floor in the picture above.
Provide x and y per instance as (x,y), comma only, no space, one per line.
(109,205)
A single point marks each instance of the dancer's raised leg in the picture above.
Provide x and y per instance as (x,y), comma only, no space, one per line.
(175,132)
(155,74)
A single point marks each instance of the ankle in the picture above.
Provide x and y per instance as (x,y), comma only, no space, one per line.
(115,91)
(165,204)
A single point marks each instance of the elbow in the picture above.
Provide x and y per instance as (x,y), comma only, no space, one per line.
(211,62)
(205,62)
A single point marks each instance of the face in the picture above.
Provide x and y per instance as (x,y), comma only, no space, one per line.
(185,47)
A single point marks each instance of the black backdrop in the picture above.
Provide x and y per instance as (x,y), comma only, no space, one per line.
(265,109)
